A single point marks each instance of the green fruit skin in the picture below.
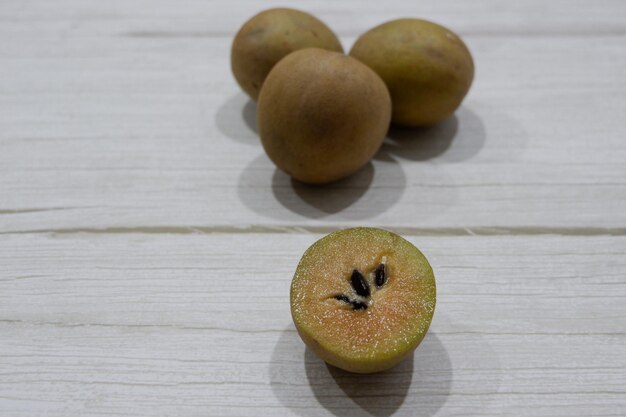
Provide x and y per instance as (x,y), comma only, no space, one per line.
(342,360)
(358,366)
(427,68)
(271,35)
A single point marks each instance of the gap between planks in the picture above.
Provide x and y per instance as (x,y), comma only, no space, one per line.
(12,322)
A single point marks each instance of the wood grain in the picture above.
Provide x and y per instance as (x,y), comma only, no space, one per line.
(211,18)
(147,244)
(140,325)
(106,130)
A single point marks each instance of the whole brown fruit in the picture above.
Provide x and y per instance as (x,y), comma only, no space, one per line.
(427,68)
(270,36)
(322,115)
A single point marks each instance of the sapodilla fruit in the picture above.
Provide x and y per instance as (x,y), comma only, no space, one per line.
(322,115)
(271,35)
(427,68)
(362,299)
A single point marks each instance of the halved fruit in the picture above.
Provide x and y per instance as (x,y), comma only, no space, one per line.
(362,299)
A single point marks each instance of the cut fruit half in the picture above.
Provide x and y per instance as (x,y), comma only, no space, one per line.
(362,299)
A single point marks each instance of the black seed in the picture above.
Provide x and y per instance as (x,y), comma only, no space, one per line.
(343,298)
(380,276)
(359,284)
(356,305)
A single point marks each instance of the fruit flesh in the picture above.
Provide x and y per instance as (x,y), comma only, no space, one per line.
(398,313)
(427,68)
(271,35)
(322,115)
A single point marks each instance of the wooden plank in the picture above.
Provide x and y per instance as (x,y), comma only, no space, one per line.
(111,131)
(202,18)
(161,285)
(198,324)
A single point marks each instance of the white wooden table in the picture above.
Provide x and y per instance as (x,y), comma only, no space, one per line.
(147,244)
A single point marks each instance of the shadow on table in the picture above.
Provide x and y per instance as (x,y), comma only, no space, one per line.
(316,201)
(372,190)
(236,119)
(457,138)
(425,376)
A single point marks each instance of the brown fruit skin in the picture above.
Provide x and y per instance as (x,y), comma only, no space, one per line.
(427,68)
(270,36)
(322,115)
